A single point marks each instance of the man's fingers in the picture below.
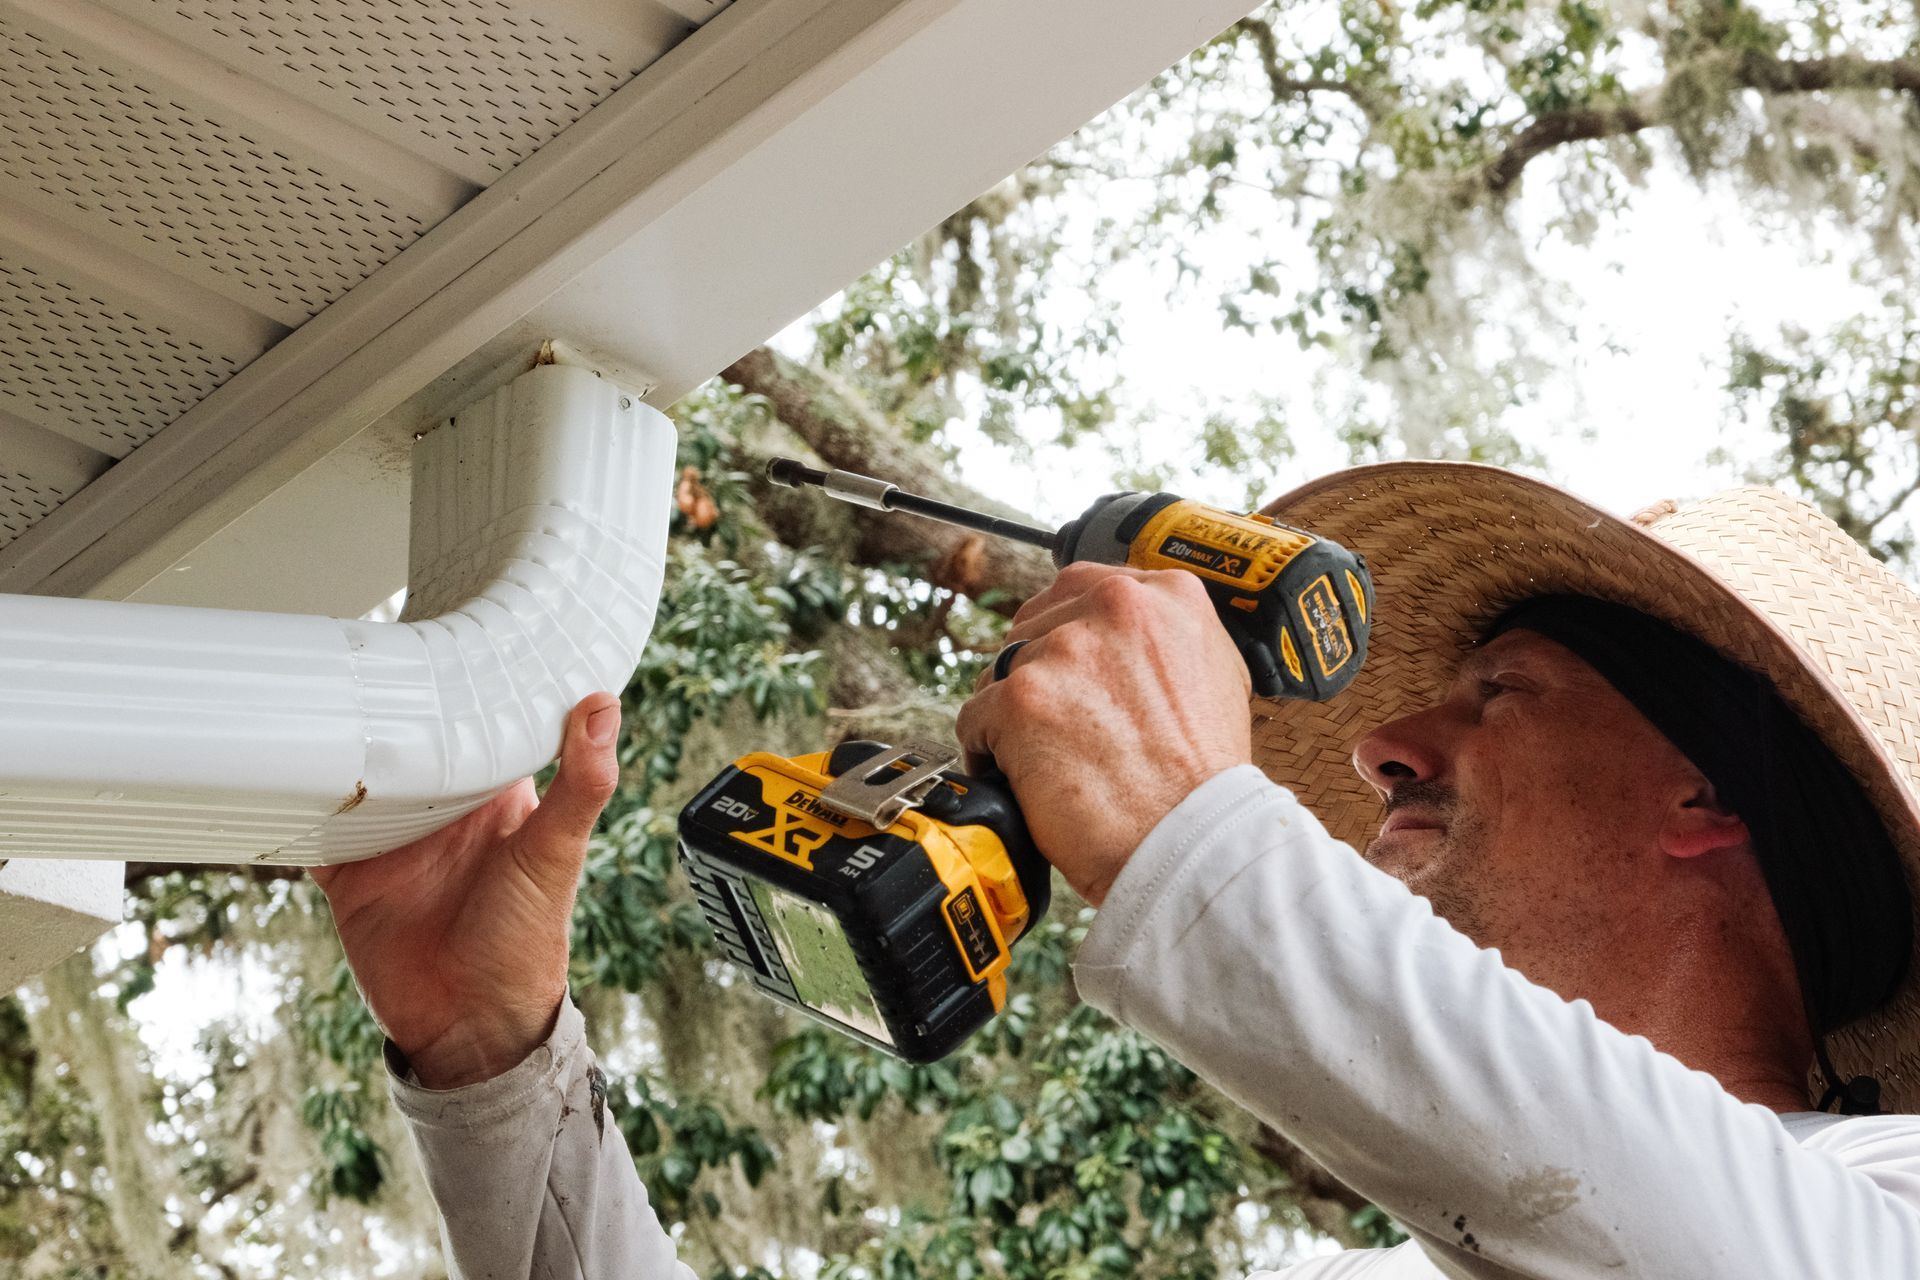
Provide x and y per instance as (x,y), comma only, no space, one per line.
(1067,596)
(589,771)
(1073,580)
(1076,593)
(970,728)
(1012,654)
(1035,625)
(995,707)
(1064,600)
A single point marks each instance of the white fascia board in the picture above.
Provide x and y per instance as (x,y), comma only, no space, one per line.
(783,149)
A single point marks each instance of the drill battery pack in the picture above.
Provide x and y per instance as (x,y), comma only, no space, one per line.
(898,934)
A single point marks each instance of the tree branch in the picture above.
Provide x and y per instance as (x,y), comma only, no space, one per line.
(1328,1204)
(1892,508)
(1285,86)
(1557,128)
(1775,77)
(1812,75)
(139,873)
(846,433)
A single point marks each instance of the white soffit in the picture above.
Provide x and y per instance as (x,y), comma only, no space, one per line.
(764,162)
(185,182)
(50,909)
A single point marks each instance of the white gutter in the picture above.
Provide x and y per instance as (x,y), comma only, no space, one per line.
(153,733)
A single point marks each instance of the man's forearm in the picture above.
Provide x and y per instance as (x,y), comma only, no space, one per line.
(1514,1133)
(531,1175)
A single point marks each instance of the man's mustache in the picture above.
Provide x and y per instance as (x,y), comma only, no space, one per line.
(1438,797)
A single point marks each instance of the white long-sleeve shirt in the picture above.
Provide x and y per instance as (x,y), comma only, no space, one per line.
(1513,1133)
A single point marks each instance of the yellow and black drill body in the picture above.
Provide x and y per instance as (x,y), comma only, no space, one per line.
(1297,606)
(881,891)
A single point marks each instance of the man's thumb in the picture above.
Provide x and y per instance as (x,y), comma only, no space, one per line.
(589,771)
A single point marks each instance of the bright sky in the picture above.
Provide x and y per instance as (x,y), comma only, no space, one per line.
(1630,418)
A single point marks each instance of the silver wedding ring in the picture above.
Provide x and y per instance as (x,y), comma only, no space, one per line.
(1004,662)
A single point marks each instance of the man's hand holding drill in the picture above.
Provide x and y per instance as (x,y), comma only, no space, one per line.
(1088,725)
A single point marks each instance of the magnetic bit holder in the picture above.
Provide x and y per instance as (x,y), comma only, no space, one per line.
(862,491)
(884,495)
(848,486)
(877,793)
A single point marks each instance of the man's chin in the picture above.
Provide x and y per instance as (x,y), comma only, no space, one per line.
(1407,854)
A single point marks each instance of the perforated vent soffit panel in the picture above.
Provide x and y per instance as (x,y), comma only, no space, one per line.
(185,182)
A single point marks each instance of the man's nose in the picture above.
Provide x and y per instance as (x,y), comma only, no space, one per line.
(1411,749)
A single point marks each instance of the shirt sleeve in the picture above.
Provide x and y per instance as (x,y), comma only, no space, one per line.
(1512,1132)
(530,1177)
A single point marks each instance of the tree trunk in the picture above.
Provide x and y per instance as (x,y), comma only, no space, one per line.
(1328,1204)
(80,1028)
(846,433)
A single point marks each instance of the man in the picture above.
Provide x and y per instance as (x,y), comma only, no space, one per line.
(1693,840)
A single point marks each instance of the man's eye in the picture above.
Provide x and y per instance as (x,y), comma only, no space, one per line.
(1492,689)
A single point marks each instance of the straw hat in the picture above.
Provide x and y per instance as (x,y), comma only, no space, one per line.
(1764,578)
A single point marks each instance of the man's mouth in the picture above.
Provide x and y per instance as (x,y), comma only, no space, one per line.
(1410,820)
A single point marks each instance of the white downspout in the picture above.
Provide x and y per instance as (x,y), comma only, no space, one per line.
(151,733)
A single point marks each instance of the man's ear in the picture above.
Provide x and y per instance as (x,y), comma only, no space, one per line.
(1697,823)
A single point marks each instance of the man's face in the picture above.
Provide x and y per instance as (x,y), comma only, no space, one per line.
(1525,805)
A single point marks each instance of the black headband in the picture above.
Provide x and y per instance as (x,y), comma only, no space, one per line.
(1830,865)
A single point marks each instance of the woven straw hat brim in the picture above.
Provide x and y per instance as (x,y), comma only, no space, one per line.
(1764,578)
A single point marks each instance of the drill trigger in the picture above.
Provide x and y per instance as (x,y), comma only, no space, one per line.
(1267,680)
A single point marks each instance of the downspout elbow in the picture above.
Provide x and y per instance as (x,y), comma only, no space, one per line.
(161,734)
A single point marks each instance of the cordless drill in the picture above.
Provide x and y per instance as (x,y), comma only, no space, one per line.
(1296,605)
(879,889)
